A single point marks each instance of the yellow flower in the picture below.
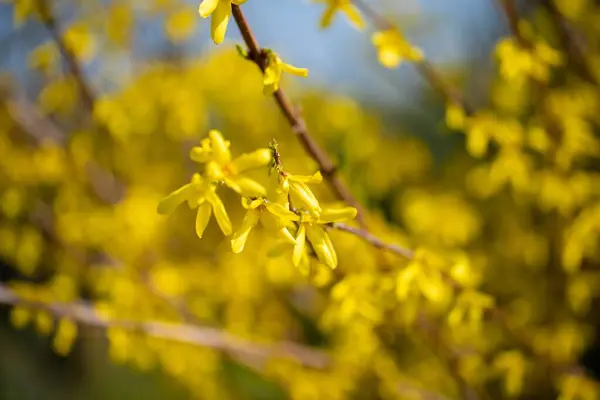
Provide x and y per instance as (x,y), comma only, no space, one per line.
(180,25)
(275,69)
(344,6)
(201,194)
(273,217)
(79,40)
(393,48)
(44,57)
(300,194)
(214,152)
(310,228)
(221,12)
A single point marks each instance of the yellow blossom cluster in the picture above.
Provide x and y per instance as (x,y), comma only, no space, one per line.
(474,275)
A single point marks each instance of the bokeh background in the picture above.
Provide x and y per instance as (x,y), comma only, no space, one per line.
(160,93)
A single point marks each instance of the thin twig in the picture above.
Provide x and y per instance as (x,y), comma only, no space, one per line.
(296,121)
(374,240)
(425,68)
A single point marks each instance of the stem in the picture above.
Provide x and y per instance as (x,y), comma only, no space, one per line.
(297,123)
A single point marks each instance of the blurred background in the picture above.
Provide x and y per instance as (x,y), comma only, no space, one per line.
(162,58)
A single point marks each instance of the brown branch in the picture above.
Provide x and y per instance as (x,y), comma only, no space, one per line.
(425,68)
(296,121)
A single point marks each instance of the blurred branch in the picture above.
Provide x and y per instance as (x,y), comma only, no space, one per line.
(50,22)
(571,43)
(425,68)
(374,240)
(257,55)
(509,9)
(196,335)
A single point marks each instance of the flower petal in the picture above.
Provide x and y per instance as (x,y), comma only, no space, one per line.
(200,154)
(287,236)
(282,213)
(239,238)
(255,159)
(202,218)
(220,213)
(354,16)
(173,200)
(315,178)
(220,150)
(327,17)
(290,69)
(337,214)
(207,7)
(299,247)
(219,21)
(321,243)
(303,196)
(246,187)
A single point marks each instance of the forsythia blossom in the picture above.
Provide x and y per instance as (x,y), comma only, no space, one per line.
(311,228)
(393,48)
(272,216)
(200,194)
(275,69)
(290,206)
(344,6)
(214,152)
(220,10)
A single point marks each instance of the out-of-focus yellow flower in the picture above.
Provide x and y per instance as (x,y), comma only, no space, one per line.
(517,63)
(273,217)
(343,6)
(393,48)
(575,387)
(44,57)
(469,308)
(180,25)
(119,23)
(513,365)
(214,152)
(274,71)
(22,9)
(66,333)
(310,227)
(201,194)
(220,10)
(80,42)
